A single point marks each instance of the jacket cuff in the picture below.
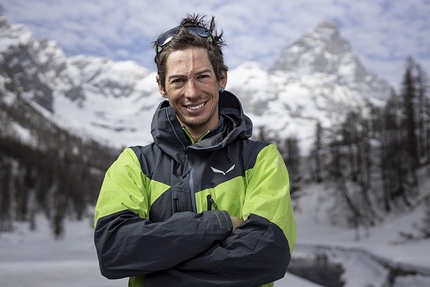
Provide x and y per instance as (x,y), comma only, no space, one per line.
(224,219)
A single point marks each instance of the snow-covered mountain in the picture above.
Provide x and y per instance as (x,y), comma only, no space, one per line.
(324,52)
(317,78)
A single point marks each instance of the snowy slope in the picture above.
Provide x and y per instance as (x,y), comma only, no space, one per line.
(371,260)
(112,100)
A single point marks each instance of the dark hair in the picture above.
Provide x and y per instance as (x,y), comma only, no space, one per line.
(185,39)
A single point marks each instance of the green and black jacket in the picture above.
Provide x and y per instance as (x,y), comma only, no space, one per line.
(163,214)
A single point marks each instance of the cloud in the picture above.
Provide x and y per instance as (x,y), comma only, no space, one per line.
(382,33)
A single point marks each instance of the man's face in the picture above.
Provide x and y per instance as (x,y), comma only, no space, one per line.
(193,90)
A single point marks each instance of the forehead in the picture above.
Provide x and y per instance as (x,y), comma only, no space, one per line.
(188,60)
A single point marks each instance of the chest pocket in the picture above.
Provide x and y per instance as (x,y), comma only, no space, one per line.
(218,181)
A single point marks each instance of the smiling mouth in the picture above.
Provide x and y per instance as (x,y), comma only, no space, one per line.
(195,107)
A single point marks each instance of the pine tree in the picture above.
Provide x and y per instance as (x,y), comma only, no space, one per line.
(423,118)
(425,229)
(409,95)
(5,196)
(317,152)
(292,161)
(390,149)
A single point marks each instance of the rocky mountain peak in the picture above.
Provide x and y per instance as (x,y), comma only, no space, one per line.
(20,61)
(318,51)
(329,28)
(323,52)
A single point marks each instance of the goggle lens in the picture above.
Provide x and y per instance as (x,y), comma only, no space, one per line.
(167,36)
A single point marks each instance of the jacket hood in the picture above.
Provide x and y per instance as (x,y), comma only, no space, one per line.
(170,137)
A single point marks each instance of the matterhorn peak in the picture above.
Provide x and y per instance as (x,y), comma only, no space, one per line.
(324,53)
(317,51)
(327,27)
(327,32)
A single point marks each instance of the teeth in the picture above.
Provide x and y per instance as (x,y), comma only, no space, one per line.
(195,107)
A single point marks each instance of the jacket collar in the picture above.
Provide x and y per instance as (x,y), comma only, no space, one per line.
(169,136)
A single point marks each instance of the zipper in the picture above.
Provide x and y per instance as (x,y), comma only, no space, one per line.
(191,138)
(175,205)
(211,202)
(188,135)
(191,185)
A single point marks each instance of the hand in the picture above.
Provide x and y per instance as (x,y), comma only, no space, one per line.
(235,221)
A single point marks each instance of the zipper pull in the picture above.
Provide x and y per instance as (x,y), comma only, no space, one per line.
(211,202)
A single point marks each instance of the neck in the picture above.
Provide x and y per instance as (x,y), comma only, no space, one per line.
(194,136)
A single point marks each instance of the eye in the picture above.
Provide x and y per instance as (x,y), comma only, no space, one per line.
(177,80)
(203,77)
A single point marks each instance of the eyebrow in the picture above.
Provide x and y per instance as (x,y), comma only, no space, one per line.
(204,71)
(175,76)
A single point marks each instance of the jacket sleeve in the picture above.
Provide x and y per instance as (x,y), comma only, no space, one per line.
(260,249)
(128,244)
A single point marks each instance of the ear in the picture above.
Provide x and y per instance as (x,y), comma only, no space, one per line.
(223,82)
(160,87)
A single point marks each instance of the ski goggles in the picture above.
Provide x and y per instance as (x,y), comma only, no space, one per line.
(167,36)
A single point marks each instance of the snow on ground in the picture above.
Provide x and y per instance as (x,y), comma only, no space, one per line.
(366,260)
(384,240)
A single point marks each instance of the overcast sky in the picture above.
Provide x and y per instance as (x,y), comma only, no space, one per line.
(382,33)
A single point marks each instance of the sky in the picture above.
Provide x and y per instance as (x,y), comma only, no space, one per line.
(382,33)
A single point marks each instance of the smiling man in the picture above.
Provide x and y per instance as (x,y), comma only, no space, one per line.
(203,205)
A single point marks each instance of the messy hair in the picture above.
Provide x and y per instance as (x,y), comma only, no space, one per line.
(184,40)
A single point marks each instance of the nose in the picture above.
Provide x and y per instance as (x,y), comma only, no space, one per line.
(192,89)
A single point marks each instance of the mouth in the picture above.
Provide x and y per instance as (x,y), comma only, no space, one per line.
(196,107)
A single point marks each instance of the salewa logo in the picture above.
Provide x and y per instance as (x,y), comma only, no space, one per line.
(220,171)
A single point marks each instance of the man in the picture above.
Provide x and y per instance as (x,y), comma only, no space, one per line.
(203,205)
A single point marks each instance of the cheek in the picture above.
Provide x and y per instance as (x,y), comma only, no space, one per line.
(169,94)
